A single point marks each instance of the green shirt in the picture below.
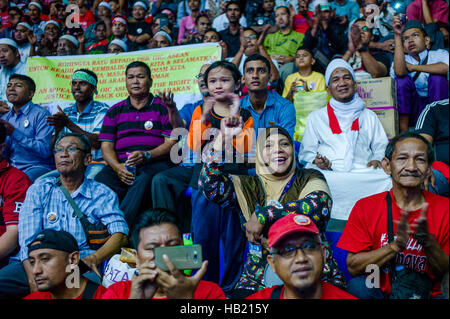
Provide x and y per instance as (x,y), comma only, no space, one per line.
(287,45)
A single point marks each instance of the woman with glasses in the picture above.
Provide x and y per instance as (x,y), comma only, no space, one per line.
(278,189)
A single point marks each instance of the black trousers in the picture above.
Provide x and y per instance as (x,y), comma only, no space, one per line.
(168,189)
(133,198)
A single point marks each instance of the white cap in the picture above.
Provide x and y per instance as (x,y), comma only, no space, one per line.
(70,38)
(9,42)
(105,4)
(140,3)
(335,64)
(36,4)
(120,43)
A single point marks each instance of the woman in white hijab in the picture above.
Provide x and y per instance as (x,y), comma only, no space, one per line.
(278,189)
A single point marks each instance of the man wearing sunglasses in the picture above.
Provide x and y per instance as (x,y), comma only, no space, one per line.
(297,256)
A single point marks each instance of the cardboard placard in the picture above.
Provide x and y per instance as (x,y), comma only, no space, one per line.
(380,96)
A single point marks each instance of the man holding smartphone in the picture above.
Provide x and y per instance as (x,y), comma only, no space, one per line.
(158,228)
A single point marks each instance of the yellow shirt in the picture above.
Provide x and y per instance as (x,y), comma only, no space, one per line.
(315,81)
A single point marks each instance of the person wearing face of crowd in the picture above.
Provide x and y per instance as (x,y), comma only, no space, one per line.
(278,189)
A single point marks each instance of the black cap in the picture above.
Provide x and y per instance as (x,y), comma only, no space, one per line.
(52,239)
(415,24)
(58,240)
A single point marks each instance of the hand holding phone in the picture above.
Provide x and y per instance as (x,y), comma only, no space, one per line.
(182,257)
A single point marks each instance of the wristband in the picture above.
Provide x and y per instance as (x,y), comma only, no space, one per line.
(364,48)
(147,156)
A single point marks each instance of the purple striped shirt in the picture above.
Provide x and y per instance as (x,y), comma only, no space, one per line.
(131,129)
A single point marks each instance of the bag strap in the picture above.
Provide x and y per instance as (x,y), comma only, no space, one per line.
(69,198)
(276,293)
(390,227)
(418,73)
(89,290)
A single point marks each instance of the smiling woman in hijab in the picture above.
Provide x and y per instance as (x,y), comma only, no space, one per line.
(278,189)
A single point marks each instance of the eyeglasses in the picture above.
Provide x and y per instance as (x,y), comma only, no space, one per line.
(307,247)
(198,76)
(70,149)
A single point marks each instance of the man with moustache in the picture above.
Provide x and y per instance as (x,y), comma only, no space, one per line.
(136,135)
(85,116)
(419,221)
(46,207)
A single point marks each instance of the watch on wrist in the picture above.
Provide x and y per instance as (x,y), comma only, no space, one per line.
(364,48)
(147,156)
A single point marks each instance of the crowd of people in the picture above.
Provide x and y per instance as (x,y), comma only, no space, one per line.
(79,184)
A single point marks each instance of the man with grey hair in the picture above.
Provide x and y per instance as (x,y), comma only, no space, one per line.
(69,202)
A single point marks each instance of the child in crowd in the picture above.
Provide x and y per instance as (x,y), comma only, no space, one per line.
(420,73)
(187,24)
(211,223)
(305,79)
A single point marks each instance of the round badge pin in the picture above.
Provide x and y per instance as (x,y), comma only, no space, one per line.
(52,217)
(26,123)
(302,220)
(148,125)
(139,31)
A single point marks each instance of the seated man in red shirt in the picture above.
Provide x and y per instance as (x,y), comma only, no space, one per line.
(57,268)
(158,228)
(297,256)
(419,222)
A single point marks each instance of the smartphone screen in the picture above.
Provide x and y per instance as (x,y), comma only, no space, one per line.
(183,257)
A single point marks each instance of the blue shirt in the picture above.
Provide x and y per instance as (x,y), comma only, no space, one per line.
(278,111)
(349,9)
(30,143)
(186,114)
(90,120)
(46,207)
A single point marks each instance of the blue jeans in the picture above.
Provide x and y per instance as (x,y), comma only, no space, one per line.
(13,281)
(441,184)
(214,228)
(357,287)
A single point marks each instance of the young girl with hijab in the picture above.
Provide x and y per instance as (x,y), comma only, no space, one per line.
(278,189)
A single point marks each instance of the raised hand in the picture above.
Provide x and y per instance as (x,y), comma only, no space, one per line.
(167,99)
(403,231)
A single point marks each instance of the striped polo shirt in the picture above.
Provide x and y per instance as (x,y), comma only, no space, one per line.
(131,129)
(90,120)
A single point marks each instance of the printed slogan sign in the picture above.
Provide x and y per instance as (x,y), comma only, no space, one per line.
(172,68)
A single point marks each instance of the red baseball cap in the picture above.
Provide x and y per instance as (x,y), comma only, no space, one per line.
(292,223)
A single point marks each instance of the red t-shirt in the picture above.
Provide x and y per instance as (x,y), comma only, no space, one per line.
(47,295)
(4,19)
(329,291)
(300,23)
(87,19)
(205,290)
(13,188)
(366,230)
